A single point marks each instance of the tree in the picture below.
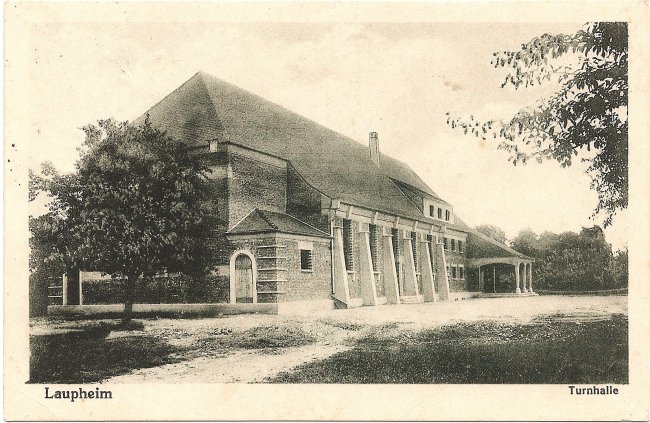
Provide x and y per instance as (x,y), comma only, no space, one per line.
(526,242)
(589,111)
(493,232)
(569,261)
(136,205)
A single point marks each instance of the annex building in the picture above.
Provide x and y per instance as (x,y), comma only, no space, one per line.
(312,218)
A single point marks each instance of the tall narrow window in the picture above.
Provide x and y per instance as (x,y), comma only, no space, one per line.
(447,215)
(460,246)
(446,241)
(439,213)
(432,211)
(348,244)
(454,274)
(453,244)
(461,272)
(395,237)
(414,246)
(374,247)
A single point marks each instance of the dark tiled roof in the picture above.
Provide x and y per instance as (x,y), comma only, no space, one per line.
(205,108)
(264,221)
(495,249)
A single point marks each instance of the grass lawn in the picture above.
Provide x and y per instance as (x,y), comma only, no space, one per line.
(87,354)
(550,350)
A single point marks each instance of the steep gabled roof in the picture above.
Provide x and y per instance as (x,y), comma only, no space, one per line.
(206,108)
(264,221)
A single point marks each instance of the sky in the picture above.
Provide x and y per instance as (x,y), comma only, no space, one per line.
(398,79)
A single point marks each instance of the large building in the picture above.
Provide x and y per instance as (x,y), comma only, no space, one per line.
(313,218)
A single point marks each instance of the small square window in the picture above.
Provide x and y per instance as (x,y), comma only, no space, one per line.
(306,260)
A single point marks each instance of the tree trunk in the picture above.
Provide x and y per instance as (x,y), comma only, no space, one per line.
(129,295)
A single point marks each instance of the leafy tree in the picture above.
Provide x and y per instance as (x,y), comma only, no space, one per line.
(589,111)
(526,242)
(620,268)
(569,261)
(137,204)
(493,232)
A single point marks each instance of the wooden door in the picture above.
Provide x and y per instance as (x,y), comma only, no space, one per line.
(243,279)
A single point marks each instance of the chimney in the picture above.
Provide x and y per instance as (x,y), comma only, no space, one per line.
(374,148)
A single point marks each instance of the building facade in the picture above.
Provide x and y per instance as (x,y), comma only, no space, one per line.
(312,218)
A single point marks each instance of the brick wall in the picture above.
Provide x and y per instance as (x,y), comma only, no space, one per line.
(304,202)
(287,276)
(455,258)
(303,285)
(254,183)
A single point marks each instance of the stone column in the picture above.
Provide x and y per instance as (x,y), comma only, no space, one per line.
(481,279)
(410,279)
(366,273)
(339,273)
(426,273)
(64,290)
(81,292)
(523,280)
(442,279)
(518,291)
(530,278)
(389,272)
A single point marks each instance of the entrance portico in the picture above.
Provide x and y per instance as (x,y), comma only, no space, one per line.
(522,270)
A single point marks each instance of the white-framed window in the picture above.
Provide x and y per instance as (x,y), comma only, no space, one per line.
(461,272)
(306,256)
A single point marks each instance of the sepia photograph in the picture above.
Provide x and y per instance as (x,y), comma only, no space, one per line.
(361,202)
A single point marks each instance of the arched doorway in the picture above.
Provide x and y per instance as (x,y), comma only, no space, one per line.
(243,278)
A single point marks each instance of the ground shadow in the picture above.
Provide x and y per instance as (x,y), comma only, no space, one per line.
(86,356)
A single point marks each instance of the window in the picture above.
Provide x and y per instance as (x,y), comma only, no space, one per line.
(439,213)
(414,246)
(453,244)
(461,272)
(446,240)
(374,247)
(460,246)
(432,211)
(447,215)
(348,243)
(306,260)
(396,252)
(454,272)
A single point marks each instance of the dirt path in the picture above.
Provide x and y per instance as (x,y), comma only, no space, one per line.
(243,366)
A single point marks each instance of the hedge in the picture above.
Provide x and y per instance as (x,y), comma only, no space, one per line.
(175,289)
